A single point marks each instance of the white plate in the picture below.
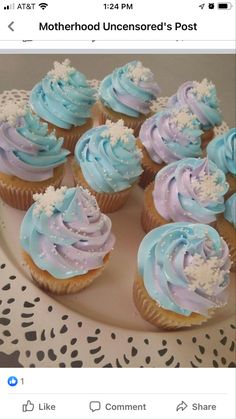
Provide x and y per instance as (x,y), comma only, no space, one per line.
(100,326)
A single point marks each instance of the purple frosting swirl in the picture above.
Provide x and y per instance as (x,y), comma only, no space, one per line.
(167,138)
(28,150)
(190,190)
(202,101)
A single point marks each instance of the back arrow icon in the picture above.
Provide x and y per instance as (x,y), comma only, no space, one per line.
(10,26)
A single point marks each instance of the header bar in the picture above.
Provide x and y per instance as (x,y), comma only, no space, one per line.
(134,24)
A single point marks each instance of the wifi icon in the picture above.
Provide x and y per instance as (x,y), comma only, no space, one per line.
(43,5)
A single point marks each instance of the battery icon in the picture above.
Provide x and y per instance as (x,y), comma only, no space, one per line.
(225,6)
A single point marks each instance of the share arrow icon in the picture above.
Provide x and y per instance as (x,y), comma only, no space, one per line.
(181,406)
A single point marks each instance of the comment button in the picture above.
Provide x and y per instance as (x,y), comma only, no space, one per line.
(94,406)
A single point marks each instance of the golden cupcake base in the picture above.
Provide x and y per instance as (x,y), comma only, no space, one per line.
(129,121)
(231,179)
(206,137)
(150,168)
(160,317)
(228,232)
(19,193)
(71,136)
(62,286)
(150,218)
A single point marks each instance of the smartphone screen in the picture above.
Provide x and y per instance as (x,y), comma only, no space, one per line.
(117,209)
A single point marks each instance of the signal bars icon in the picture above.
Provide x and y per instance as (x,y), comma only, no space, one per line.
(9,7)
(43,5)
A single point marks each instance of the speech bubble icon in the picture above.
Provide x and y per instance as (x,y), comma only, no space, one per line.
(94,406)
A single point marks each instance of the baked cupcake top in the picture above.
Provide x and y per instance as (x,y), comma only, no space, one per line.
(64,97)
(230,210)
(201,99)
(27,149)
(190,190)
(222,151)
(65,233)
(129,90)
(109,157)
(185,267)
(171,135)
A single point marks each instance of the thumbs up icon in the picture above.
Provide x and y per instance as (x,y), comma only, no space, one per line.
(12,381)
(28,407)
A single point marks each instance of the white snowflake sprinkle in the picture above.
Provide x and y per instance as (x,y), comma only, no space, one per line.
(137,73)
(10,112)
(46,202)
(205,274)
(61,71)
(203,89)
(183,118)
(206,187)
(95,84)
(117,131)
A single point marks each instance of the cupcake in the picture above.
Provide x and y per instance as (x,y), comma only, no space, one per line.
(127,94)
(226,226)
(202,101)
(108,162)
(66,240)
(31,158)
(169,136)
(183,275)
(222,151)
(190,190)
(64,99)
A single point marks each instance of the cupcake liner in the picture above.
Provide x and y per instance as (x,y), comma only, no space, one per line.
(150,218)
(160,317)
(150,168)
(71,136)
(107,202)
(228,232)
(130,122)
(206,137)
(62,286)
(19,194)
(231,179)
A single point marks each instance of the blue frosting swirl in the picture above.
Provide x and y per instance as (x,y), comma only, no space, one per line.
(222,151)
(129,95)
(108,166)
(171,261)
(230,210)
(64,102)
(28,150)
(71,237)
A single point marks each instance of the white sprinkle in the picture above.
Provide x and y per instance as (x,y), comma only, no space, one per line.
(139,153)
